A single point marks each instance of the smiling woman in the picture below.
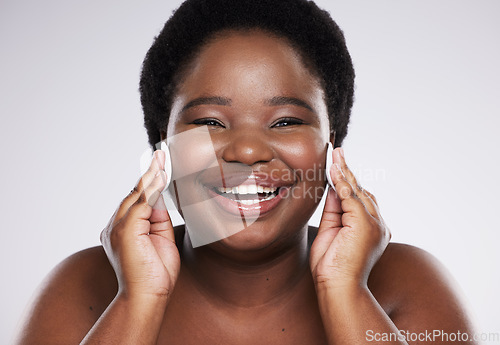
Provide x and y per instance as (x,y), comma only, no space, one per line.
(273,118)
(271,93)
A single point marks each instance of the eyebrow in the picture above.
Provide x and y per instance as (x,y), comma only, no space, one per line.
(275,101)
(207,100)
(283,100)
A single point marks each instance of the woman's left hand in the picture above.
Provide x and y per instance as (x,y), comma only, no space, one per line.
(352,235)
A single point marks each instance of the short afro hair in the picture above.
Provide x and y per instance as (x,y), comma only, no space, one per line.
(310,30)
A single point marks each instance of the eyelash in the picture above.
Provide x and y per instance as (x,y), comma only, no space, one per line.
(288,120)
(208,122)
(284,122)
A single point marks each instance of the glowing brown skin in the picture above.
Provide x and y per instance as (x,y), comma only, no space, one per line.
(250,72)
(267,284)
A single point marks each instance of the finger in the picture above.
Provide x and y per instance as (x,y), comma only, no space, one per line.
(371,197)
(137,218)
(153,191)
(338,156)
(331,223)
(332,212)
(161,223)
(370,203)
(350,203)
(157,164)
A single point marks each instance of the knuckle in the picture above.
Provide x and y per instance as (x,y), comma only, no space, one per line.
(115,236)
(345,190)
(134,190)
(388,233)
(133,194)
(140,207)
(141,199)
(103,235)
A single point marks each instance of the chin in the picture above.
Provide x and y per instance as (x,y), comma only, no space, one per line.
(256,244)
(252,238)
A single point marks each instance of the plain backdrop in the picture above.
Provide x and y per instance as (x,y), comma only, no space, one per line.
(423,136)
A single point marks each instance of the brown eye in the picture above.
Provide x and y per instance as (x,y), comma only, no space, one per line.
(208,122)
(288,121)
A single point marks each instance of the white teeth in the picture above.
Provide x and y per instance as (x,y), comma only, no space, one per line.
(252,189)
(242,189)
(247,189)
(255,201)
(248,202)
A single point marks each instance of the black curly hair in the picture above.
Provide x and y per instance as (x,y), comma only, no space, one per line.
(309,29)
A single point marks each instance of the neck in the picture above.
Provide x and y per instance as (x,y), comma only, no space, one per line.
(259,279)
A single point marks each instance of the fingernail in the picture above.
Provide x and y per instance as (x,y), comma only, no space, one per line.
(154,158)
(337,156)
(158,159)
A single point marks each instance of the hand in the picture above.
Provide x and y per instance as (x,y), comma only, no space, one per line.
(139,239)
(352,235)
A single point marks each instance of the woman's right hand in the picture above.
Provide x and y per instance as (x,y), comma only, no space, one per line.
(139,239)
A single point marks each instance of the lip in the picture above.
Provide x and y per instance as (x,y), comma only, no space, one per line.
(248,211)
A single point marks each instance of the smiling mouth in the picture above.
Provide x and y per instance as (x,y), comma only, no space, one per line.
(248,194)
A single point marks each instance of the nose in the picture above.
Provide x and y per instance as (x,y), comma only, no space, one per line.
(248,148)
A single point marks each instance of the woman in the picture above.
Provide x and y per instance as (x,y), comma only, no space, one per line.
(272,83)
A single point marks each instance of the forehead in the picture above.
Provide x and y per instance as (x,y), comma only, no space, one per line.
(249,67)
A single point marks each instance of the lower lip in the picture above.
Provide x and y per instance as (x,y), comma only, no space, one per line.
(255,210)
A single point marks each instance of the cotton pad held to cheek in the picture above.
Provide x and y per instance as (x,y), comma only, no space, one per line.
(168,164)
(329,163)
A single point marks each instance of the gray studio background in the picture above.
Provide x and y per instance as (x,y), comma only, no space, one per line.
(423,137)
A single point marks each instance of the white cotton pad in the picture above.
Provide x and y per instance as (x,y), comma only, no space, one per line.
(168,163)
(329,163)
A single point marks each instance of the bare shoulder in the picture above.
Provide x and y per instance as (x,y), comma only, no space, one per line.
(418,292)
(70,299)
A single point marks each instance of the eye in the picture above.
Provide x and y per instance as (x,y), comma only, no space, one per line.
(208,122)
(287,121)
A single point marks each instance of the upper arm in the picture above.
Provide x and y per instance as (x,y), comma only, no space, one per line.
(70,300)
(427,298)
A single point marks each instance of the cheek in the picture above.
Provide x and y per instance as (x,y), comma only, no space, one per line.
(192,151)
(306,156)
